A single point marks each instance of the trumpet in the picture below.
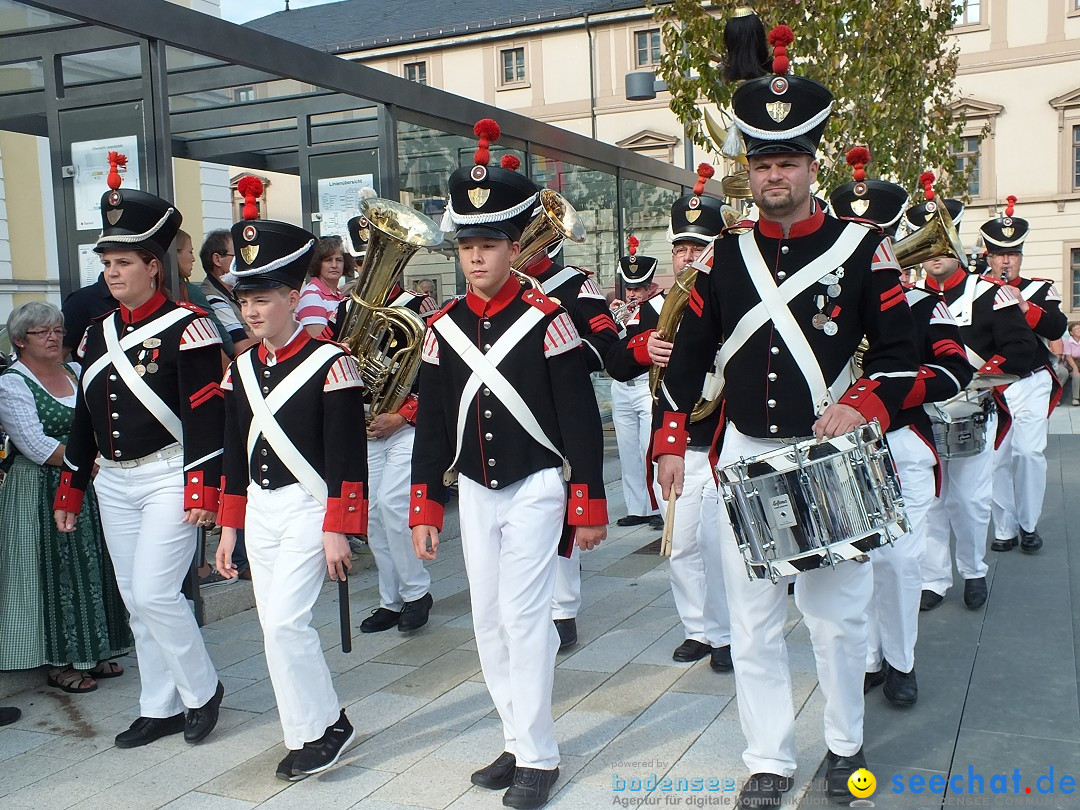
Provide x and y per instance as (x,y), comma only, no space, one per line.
(622,314)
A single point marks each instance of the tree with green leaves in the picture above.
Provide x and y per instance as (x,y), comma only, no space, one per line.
(890,64)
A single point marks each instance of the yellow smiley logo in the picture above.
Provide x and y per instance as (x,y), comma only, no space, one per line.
(862,783)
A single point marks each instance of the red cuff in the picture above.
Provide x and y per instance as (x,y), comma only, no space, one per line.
(917,395)
(233,511)
(67,497)
(862,398)
(408,409)
(422,510)
(672,437)
(993,365)
(583,511)
(198,494)
(347,513)
(639,347)
(1033,315)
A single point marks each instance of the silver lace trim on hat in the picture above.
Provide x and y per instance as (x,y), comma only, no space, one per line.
(773,135)
(277,264)
(452,219)
(129,239)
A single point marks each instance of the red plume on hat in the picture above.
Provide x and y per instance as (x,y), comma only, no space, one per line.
(780,37)
(1010,202)
(510,162)
(252,188)
(857,158)
(487,130)
(704,172)
(116,160)
(926,180)
(632,243)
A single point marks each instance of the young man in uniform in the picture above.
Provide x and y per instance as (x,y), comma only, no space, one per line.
(291,405)
(506,407)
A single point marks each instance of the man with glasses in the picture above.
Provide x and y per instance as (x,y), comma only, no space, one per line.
(216,256)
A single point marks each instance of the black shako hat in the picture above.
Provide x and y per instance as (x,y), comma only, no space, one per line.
(135,220)
(699,217)
(359,228)
(918,215)
(781,113)
(879,201)
(636,270)
(493,201)
(1005,234)
(268,253)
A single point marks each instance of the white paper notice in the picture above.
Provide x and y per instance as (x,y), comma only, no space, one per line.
(91,162)
(339,201)
(89,265)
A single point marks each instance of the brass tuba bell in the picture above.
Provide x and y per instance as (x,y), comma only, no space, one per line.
(938,237)
(556,219)
(387,341)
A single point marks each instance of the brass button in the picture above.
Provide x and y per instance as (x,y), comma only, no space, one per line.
(266,390)
(416,509)
(115,416)
(264,468)
(773,429)
(195,497)
(489,436)
(487,324)
(112,397)
(771,403)
(784,249)
(266,482)
(194,479)
(352,495)
(671,439)
(580,494)
(673,425)
(116,453)
(116,434)
(772,376)
(266,373)
(487,392)
(487,414)
(352,508)
(491,462)
(579,511)
(775,350)
(112,377)
(494,483)
(487,347)
(419,494)
(781,275)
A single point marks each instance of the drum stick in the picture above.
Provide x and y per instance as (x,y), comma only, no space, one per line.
(343,613)
(669,524)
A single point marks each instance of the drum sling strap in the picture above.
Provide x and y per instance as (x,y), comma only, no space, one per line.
(559,279)
(263,420)
(485,371)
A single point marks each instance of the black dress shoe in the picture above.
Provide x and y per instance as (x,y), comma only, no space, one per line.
(656,522)
(201,721)
(1030,542)
(567,632)
(930,600)
(837,772)
(379,620)
(9,714)
(499,775)
(872,680)
(414,615)
(975,593)
(764,790)
(720,659)
(285,768)
(530,789)
(690,650)
(632,520)
(147,729)
(900,687)
(1003,545)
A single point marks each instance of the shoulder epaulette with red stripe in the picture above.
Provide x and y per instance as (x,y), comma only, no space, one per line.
(449,305)
(541,301)
(190,306)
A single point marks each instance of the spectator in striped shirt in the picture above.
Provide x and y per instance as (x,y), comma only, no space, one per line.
(320,299)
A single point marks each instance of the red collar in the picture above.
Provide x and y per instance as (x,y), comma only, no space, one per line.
(485,309)
(298,340)
(540,267)
(773,230)
(141,313)
(1015,282)
(955,280)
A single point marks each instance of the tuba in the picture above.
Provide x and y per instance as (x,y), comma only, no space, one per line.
(555,220)
(387,341)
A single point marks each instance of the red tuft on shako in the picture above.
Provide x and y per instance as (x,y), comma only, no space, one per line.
(251,188)
(704,172)
(487,130)
(926,180)
(116,159)
(510,162)
(780,37)
(857,158)
(632,242)
(1011,201)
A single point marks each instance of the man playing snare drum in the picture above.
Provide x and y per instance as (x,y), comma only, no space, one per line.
(791,297)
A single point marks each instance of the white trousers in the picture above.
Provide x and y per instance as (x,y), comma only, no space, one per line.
(151,550)
(696,567)
(402,576)
(893,626)
(834,602)
(510,539)
(964,507)
(566,602)
(1020,462)
(288,567)
(631,413)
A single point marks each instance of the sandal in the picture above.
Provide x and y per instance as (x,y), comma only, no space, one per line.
(106,669)
(71,680)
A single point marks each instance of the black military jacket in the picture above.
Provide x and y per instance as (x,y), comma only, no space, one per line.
(178,350)
(628,357)
(1044,314)
(546,367)
(324,419)
(585,303)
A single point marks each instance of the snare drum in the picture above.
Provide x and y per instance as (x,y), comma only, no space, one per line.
(960,424)
(810,505)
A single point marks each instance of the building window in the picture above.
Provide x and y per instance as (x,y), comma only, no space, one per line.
(243,94)
(1074,274)
(967,12)
(968,156)
(513,65)
(1076,154)
(416,72)
(647,48)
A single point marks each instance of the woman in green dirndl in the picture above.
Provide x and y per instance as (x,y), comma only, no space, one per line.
(59,605)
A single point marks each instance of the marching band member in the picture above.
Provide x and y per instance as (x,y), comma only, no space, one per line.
(997,341)
(1020,457)
(792,296)
(507,407)
(631,402)
(291,407)
(150,414)
(893,621)
(584,302)
(697,583)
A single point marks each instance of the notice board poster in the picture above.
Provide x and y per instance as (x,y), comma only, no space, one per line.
(339,201)
(91,162)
